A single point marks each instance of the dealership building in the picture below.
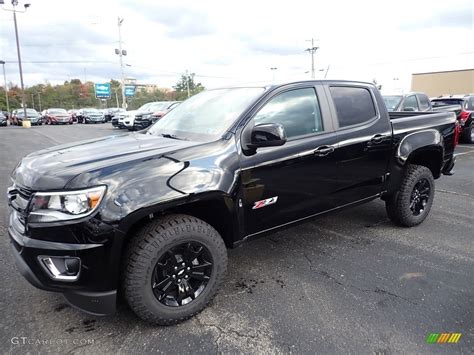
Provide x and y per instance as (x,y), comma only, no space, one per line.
(454,82)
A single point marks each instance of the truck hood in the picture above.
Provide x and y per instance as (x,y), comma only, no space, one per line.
(54,167)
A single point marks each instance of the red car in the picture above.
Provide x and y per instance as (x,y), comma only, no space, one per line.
(57,116)
(465,113)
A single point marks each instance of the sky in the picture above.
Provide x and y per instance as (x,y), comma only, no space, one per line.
(237,42)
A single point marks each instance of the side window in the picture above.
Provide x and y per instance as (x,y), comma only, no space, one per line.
(354,105)
(470,104)
(410,104)
(297,110)
(424,102)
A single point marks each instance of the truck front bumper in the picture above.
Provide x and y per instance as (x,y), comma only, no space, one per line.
(95,289)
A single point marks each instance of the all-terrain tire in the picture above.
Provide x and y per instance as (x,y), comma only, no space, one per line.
(398,205)
(145,249)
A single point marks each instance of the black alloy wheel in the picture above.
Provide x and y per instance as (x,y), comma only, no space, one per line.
(182,273)
(420,196)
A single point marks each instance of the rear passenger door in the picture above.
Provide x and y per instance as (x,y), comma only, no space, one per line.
(364,141)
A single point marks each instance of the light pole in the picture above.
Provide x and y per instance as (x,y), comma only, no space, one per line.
(273,69)
(14,10)
(312,50)
(395,84)
(2,62)
(121,53)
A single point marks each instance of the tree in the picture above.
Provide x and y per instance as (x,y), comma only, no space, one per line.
(181,87)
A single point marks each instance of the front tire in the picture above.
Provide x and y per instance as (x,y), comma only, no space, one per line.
(174,266)
(411,204)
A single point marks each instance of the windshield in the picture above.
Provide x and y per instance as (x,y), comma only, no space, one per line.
(29,112)
(92,110)
(206,116)
(58,111)
(158,106)
(144,107)
(392,102)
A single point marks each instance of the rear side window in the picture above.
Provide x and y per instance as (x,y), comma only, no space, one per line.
(424,102)
(470,104)
(297,110)
(410,104)
(354,105)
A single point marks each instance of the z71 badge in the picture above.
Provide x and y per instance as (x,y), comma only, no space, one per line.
(264,203)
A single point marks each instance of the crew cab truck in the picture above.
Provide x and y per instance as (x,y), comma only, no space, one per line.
(152,213)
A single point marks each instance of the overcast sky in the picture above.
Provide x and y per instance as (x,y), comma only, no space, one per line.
(228,43)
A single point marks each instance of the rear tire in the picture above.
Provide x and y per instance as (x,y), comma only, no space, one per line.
(166,292)
(411,204)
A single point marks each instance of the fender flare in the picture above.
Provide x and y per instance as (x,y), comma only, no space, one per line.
(220,197)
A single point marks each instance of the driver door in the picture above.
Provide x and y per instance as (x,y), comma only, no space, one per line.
(298,179)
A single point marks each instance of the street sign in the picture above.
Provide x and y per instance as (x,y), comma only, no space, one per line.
(102,91)
(129,90)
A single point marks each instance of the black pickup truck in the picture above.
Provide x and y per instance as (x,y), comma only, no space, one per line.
(151,213)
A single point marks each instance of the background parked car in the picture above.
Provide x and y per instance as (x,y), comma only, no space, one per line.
(153,113)
(90,115)
(57,116)
(129,119)
(126,121)
(111,112)
(464,114)
(410,102)
(31,114)
(3,119)
(118,117)
(73,113)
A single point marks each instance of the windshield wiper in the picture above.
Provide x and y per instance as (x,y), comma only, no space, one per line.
(172,136)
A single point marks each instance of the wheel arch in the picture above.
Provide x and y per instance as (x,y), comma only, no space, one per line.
(424,148)
(215,208)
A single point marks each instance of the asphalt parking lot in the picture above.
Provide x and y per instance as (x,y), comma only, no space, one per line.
(349,282)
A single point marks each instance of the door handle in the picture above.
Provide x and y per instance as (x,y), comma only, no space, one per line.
(323,150)
(378,138)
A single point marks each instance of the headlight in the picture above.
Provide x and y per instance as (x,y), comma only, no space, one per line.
(67,205)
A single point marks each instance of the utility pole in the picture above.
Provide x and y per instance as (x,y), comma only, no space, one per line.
(116,98)
(33,101)
(39,100)
(121,53)
(312,50)
(85,75)
(6,87)
(187,83)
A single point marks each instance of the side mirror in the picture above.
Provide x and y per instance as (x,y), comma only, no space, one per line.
(267,135)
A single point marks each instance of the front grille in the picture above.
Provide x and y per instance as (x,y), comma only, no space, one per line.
(18,199)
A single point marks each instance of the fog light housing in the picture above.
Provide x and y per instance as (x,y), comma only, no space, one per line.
(62,268)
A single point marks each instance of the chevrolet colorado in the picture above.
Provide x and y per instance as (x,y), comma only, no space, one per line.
(150,214)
